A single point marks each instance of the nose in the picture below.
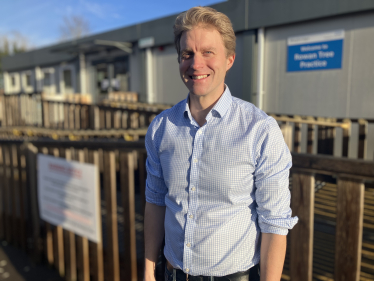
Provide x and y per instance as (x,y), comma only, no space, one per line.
(197,62)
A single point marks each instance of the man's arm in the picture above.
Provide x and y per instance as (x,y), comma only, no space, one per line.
(273,252)
(154,231)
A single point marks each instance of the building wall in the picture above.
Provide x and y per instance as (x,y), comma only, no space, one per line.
(169,87)
(345,92)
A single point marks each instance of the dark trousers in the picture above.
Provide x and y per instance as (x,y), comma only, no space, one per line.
(253,274)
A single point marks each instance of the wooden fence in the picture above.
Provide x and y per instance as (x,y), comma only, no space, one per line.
(321,135)
(122,173)
(32,110)
(121,165)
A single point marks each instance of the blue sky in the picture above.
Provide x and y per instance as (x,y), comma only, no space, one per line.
(39,20)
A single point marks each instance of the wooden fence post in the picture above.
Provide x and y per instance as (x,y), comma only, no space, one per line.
(98,261)
(111,216)
(302,204)
(32,194)
(128,202)
(349,224)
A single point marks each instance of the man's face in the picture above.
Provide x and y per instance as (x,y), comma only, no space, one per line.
(203,61)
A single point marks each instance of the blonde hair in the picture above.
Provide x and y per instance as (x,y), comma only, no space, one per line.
(205,16)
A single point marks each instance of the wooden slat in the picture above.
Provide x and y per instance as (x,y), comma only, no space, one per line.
(302,203)
(101,118)
(48,231)
(7,218)
(22,197)
(32,194)
(77,114)
(297,136)
(2,180)
(362,138)
(82,242)
(333,165)
(71,116)
(349,223)
(142,178)
(287,134)
(58,236)
(45,114)
(66,116)
(14,194)
(70,248)
(98,262)
(346,138)
(111,216)
(128,202)
(108,119)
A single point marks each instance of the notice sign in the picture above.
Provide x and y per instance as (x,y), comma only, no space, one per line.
(68,195)
(316,51)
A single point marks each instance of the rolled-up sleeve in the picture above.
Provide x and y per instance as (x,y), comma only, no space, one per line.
(273,162)
(155,185)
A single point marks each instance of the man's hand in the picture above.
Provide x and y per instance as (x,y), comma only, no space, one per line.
(154,232)
(273,252)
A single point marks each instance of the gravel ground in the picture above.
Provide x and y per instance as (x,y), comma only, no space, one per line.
(15,265)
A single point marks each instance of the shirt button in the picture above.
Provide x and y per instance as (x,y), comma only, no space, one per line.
(191,216)
(188,245)
(193,188)
(195,160)
(187,269)
(199,132)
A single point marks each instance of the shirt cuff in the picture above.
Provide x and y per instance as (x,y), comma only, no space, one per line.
(154,198)
(277,225)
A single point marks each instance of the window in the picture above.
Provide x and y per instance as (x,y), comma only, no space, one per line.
(120,81)
(13,79)
(28,80)
(67,76)
(47,79)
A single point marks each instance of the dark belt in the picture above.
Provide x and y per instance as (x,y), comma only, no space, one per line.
(251,274)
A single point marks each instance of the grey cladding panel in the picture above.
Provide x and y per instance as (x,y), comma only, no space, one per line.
(345,92)
(169,86)
(274,12)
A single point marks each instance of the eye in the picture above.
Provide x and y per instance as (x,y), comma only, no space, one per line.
(186,55)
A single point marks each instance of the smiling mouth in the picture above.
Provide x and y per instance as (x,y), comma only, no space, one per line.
(198,77)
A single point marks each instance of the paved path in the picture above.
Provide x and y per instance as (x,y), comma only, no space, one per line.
(15,265)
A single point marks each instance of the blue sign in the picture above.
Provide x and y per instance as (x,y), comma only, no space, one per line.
(315,52)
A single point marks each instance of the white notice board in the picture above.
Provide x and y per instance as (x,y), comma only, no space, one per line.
(68,195)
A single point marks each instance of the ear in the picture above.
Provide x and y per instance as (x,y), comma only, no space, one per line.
(230,61)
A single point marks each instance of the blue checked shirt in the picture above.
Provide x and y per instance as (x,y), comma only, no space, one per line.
(222,184)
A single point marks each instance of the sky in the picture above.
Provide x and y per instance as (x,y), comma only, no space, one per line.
(40,20)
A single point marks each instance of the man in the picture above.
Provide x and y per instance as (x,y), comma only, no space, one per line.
(218,168)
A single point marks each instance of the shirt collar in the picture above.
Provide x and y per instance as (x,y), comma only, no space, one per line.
(220,107)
